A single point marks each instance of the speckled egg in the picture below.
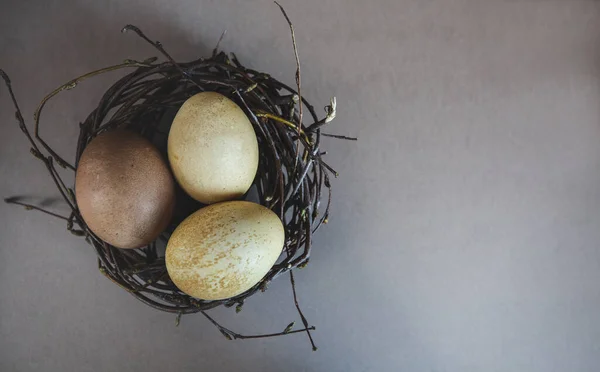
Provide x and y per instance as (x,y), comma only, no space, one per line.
(212,148)
(224,249)
(124,189)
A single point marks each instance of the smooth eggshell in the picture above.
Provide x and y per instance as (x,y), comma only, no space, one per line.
(212,148)
(124,190)
(224,249)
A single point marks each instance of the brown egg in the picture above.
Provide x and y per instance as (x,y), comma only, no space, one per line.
(124,189)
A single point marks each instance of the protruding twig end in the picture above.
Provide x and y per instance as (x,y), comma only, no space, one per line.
(178,319)
(4,76)
(216,50)
(130,28)
(331,110)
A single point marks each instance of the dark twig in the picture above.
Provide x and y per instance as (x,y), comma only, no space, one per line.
(340,137)
(302,317)
(216,50)
(33,207)
(68,86)
(230,335)
(160,48)
(298,81)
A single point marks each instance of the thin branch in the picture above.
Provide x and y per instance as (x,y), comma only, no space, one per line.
(68,86)
(33,207)
(230,335)
(159,47)
(298,80)
(216,50)
(339,137)
(283,121)
(302,317)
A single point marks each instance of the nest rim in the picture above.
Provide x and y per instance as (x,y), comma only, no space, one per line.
(290,179)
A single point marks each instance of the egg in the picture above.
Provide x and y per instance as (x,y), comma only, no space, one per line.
(124,189)
(224,249)
(212,148)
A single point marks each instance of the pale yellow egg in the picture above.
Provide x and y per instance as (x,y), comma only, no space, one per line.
(224,249)
(212,148)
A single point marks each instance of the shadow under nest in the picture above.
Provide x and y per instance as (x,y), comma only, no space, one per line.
(293,180)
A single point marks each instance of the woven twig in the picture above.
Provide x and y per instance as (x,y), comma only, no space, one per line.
(292,177)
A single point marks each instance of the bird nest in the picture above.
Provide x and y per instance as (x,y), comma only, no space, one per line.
(293,180)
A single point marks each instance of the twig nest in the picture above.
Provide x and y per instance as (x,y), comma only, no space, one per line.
(262,143)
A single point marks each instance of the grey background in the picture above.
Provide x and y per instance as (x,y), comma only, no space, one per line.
(466,220)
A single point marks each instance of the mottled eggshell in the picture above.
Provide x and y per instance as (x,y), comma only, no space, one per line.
(124,190)
(224,249)
(212,148)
